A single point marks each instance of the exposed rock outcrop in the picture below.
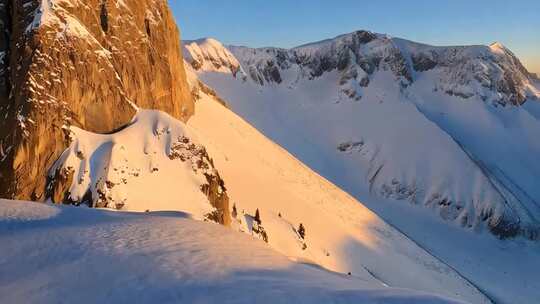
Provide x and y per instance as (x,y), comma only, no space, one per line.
(59,184)
(84,63)
(216,192)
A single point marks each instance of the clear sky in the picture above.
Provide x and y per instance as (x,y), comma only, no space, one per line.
(288,23)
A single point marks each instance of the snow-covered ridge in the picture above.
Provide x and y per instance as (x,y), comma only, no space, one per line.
(385,117)
(210,55)
(20,211)
(155,163)
(492,73)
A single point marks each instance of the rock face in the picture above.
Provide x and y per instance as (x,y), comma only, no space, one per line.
(88,64)
(216,193)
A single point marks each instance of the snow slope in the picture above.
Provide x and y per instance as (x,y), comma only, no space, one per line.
(119,170)
(461,162)
(390,118)
(341,234)
(68,254)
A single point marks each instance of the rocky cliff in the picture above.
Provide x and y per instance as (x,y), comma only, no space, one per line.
(89,64)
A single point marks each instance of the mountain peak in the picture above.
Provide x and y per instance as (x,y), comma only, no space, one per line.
(465,71)
(498,47)
(362,35)
(209,41)
(210,54)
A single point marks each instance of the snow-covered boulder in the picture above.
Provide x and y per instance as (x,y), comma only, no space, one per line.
(155,163)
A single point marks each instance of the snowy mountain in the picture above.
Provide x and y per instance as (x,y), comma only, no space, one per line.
(492,73)
(99,110)
(158,163)
(341,234)
(215,168)
(449,128)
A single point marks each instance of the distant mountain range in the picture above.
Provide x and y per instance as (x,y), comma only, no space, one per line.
(449,128)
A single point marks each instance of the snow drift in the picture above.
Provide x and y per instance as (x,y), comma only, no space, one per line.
(93,256)
(155,163)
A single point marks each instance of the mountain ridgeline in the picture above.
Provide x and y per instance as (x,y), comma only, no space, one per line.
(89,64)
(449,128)
(492,72)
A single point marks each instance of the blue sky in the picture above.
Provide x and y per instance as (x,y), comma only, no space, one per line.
(287,23)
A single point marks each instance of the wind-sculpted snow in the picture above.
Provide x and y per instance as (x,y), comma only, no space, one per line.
(93,256)
(14,211)
(396,119)
(155,163)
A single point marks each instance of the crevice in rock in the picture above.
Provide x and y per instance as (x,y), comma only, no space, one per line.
(6,148)
(147,27)
(5,37)
(59,184)
(104,17)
